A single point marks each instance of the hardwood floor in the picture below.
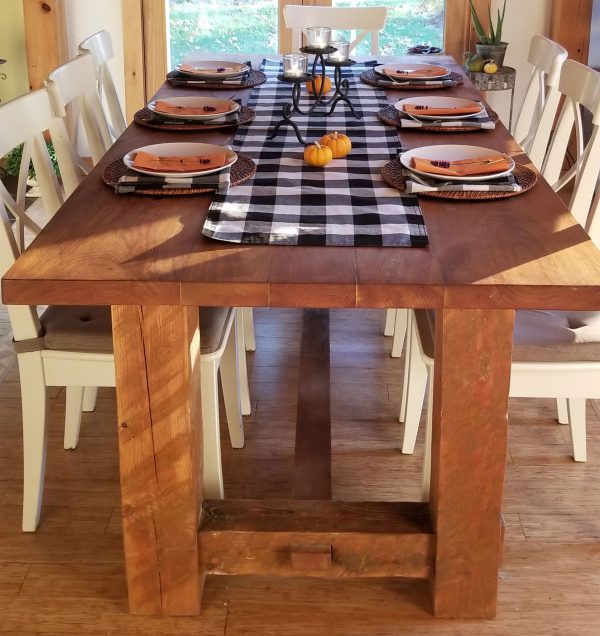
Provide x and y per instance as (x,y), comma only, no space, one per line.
(68,578)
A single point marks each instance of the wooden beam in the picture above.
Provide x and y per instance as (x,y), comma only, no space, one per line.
(46,38)
(472,358)
(570,25)
(330,539)
(312,471)
(157,362)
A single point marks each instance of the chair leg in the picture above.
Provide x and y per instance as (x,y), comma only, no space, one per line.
(399,332)
(242,362)
(34,409)
(417,384)
(576,408)
(406,377)
(231,395)
(249,338)
(563,410)
(426,481)
(390,321)
(90,393)
(74,405)
(211,437)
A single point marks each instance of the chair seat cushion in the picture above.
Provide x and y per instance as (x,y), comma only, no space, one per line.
(77,328)
(88,328)
(556,336)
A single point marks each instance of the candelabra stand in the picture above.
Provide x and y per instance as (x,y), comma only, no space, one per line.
(342,87)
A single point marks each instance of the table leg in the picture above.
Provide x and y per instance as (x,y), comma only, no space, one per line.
(472,374)
(157,359)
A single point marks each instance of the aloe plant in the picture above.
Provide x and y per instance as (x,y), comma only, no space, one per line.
(494,37)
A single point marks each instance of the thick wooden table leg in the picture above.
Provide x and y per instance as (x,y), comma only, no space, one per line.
(472,375)
(157,357)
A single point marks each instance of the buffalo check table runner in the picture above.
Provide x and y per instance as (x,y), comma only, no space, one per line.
(290,203)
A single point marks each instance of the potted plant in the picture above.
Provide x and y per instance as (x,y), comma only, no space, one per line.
(490,45)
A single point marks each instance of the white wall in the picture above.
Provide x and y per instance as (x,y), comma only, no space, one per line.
(523,19)
(85,18)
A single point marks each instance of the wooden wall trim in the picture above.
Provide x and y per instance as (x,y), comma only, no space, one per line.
(46,38)
(458,31)
(145,51)
(133,54)
(570,25)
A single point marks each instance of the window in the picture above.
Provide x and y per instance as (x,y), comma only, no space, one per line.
(409,22)
(222,26)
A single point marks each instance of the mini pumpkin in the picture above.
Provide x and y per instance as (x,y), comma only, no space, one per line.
(314,86)
(340,144)
(317,155)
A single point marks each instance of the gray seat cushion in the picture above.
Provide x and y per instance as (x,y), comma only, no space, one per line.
(539,335)
(83,328)
(556,336)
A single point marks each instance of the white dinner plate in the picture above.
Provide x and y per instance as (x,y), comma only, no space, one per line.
(454,153)
(195,102)
(175,149)
(412,71)
(439,102)
(212,69)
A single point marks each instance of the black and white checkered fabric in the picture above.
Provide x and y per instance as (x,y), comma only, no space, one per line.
(502,184)
(482,120)
(290,203)
(132,181)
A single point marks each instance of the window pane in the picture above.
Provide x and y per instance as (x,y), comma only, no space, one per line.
(222,26)
(409,22)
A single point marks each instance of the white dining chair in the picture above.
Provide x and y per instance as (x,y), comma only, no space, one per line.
(74,85)
(556,354)
(99,46)
(531,130)
(72,346)
(361,21)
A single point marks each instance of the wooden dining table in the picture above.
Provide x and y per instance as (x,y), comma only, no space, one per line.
(147,258)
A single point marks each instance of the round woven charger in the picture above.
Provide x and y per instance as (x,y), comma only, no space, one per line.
(372,78)
(146,117)
(389,115)
(255,78)
(525,177)
(242,170)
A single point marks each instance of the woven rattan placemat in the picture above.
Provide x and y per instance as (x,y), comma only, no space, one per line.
(242,170)
(255,78)
(392,174)
(373,78)
(145,117)
(389,115)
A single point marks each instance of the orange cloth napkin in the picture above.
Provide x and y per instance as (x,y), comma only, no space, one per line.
(190,68)
(213,108)
(464,167)
(186,163)
(434,71)
(416,109)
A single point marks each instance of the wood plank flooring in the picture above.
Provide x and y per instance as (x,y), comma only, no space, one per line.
(68,578)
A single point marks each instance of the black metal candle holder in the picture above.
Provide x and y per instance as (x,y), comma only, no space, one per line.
(342,86)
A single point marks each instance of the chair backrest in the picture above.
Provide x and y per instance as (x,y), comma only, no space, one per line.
(580,86)
(363,20)
(74,84)
(546,58)
(24,121)
(99,46)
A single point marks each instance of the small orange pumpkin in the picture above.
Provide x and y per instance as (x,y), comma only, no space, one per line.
(317,155)
(314,86)
(340,144)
